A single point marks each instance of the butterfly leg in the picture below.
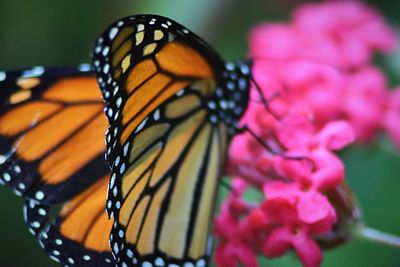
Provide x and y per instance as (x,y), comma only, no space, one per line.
(267,146)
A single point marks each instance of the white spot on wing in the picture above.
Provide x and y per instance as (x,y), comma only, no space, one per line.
(122,169)
(211,105)
(42,212)
(84,67)
(159,262)
(17,169)
(36,71)
(113,33)
(106,68)
(116,88)
(54,258)
(244,69)
(2,76)
(140,27)
(2,159)
(115,248)
(230,66)
(110,112)
(147,264)
(223,104)
(129,253)
(141,125)
(201,263)
(121,233)
(39,195)
(105,51)
(6,177)
(118,102)
(112,180)
(156,115)
(86,257)
(126,147)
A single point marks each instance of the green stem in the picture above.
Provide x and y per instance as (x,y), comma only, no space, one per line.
(377,236)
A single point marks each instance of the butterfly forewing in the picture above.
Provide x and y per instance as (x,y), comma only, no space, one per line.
(172,105)
(46,116)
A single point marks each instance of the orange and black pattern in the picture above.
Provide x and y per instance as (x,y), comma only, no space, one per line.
(79,236)
(46,116)
(172,106)
(52,153)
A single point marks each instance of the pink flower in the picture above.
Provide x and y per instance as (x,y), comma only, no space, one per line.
(323,94)
(288,232)
(230,253)
(312,207)
(320,169)
(355,29)
(364,101)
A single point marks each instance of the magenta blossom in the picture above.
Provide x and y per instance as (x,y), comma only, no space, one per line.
(343,33)
(323,93)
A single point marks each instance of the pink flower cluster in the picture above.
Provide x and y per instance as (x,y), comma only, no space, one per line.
(323,93)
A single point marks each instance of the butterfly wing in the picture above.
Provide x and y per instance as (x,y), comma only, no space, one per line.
(80,234)
(51,133)
(52,152)
(165,145)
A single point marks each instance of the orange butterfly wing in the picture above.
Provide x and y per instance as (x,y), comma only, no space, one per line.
(51,133)
(52,152)
(167,103)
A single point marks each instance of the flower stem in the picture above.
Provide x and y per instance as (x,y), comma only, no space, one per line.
(377,236)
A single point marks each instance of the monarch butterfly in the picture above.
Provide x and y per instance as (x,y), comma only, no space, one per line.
(172,106)
(51,152)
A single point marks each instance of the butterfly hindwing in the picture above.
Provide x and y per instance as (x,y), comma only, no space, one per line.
(168,189)
(172,105)
(79,236)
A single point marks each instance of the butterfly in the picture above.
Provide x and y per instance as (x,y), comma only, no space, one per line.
(52,153)
(172,106)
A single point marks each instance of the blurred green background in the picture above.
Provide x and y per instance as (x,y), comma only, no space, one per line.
(55,32)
